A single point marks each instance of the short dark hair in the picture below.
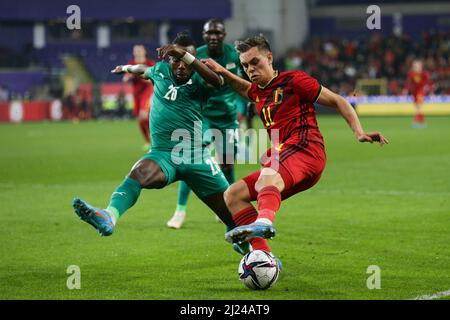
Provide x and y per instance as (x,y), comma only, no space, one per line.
(257,41)
(215,21)
(184,39)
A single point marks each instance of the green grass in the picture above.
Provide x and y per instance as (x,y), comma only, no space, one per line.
(386,206)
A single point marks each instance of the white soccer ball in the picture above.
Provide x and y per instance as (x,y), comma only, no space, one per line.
(258,270)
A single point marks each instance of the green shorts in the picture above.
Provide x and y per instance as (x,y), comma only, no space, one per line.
(225,139)
(204,177)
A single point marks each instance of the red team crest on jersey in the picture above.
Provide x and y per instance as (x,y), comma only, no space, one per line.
(278,96)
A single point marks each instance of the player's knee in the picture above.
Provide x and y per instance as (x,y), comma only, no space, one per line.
(269,178)
(139,174)
(232,194)
(148,174)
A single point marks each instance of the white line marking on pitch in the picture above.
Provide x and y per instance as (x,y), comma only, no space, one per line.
(437,295)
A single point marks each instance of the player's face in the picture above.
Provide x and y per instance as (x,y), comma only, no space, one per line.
(214,35)
(180,70)
(417,66)
(258,65)
(139,52)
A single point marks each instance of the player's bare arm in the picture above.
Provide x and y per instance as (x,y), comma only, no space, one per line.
(331,99)
(176,52)
(138,69)
(241,86)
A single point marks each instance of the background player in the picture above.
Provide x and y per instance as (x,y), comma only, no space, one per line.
(285,102)
(417,83)
(220,112)
(179,94)
(142,91)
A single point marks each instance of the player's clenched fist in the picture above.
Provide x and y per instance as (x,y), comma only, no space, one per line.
(170,50)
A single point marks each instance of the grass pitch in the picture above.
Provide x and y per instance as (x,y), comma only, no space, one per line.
(386,206)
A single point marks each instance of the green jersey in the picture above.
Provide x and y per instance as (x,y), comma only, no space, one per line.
(176,112)
(222,101)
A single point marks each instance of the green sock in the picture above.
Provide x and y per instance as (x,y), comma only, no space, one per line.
(124,197)
(114,211)
(229,175)
(183,196)
(181,207)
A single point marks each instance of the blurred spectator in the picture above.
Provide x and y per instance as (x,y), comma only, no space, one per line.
(341,62)
(121,105)
(4,94)
(76,106)
(419,84)
(293,60)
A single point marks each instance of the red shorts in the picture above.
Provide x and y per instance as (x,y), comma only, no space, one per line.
(141,102)
(418,97)
(299,167)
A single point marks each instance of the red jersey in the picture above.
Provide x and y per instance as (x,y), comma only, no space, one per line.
(142,87)
(416,82)
(287,104)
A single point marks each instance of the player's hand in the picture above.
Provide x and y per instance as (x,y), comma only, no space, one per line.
(170,50)
(213,65)
(372,137)
(118,70)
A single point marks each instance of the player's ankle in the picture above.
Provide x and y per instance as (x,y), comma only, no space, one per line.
(112,216)
(264,221)
(180,208)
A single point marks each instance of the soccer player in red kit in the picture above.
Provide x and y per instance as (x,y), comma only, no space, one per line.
(417,83)
(142,91)
(285,103)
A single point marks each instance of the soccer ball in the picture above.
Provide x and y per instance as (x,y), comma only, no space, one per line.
(258,270)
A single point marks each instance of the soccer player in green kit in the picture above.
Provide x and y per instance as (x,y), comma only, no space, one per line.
(220,112)
(179,93)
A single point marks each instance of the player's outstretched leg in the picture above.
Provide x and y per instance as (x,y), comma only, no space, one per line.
(217,203)
(102,220)
(177,220)
(146,173)
(238,200)
(269,200)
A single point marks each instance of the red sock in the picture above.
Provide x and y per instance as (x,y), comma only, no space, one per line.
(247,216)
(419,117)
(269,201)
(143,125)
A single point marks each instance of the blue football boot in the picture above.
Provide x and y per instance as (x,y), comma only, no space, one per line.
(98,218)
(277,260)
(280,265)
(253,230)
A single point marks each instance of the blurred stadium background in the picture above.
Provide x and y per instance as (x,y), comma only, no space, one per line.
(50,72)
(374,206)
